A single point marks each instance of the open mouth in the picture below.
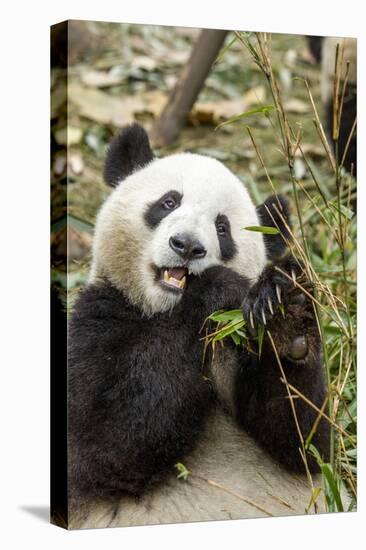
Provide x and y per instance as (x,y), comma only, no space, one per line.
(174,278)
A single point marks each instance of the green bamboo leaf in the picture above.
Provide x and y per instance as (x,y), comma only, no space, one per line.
(184,473)
(227,316)
(328,474)
(331,484)
(258,110)
(267,230)
(346,212)
(314,497)
(236,338)
(332,330)
(228,329)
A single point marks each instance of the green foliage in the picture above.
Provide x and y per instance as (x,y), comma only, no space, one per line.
(262,229)
(332,483)
(262,110)
(324,238)
(229,323)
(183,472)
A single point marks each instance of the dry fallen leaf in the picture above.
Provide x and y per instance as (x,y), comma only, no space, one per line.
(155,101)
(58,100)
(175,57)
(76,163)
(101,79)
(144,62)
(214,112)
(104,108)
(68,136)
(59,164)
(71,244)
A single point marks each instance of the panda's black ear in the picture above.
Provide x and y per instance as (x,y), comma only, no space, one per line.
(275,212)
(129,150)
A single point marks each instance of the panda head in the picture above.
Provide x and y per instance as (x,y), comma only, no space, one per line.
(168,220)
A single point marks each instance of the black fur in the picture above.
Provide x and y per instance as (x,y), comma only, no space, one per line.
(138,400)
(262,400)
(264,292)
(158,210)
(128,151)
(137,397)
(59,483)
(272,213)
(227,244)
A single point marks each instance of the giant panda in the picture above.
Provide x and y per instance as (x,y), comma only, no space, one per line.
(145,393)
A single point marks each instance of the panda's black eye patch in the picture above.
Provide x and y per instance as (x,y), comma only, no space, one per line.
(161,208)
(226,241)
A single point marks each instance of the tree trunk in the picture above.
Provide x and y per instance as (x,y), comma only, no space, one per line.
(190,82)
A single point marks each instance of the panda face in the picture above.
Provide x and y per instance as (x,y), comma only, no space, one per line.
(191,221)
(170,221)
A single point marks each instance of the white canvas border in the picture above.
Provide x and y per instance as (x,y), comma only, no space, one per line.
(25,272)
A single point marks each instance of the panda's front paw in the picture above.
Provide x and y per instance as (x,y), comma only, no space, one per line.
(275,289)
(218,287)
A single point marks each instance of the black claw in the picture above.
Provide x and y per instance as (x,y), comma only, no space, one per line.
(278,293)
(251,326)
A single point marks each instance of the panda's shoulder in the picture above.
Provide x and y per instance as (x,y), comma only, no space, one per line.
(100,301)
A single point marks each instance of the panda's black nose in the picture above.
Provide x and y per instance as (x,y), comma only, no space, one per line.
(187,247)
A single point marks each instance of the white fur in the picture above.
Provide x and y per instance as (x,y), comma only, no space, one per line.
(125,248)
(231,478)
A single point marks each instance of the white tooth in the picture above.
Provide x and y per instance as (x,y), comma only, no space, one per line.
(182,282)
(166,276)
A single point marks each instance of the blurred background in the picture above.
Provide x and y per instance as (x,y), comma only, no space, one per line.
(107,75)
